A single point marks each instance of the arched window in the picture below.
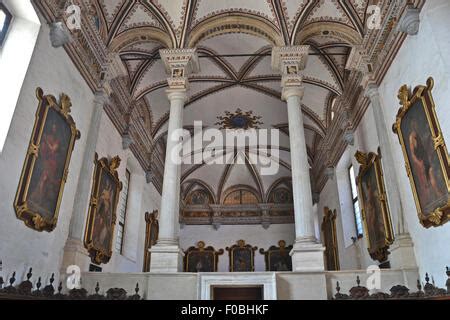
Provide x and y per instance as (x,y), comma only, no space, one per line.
(5,21)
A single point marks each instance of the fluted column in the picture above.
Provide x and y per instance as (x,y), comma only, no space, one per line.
(166,254)
(307,254)
(402,253)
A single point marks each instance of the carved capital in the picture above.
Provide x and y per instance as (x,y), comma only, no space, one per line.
(372,92)
(290,60)
(179,63)
(409,23)
(127,140)
(149,176)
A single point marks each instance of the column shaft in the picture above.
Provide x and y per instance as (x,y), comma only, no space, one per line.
(301,186)
(170,194)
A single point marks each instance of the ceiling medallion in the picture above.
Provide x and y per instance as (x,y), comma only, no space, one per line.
(239,120)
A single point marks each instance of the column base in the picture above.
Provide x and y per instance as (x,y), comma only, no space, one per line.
(402,252)
(166,258)
(307,256)
(75,254)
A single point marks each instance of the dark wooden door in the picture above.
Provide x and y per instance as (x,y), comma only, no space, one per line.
(238,293)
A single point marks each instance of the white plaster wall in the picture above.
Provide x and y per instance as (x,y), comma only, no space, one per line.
(420,57)
(142,197)
(227,236)
(20,246)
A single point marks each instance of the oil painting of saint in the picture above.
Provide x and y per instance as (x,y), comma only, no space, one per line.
(372,209)
(48,171)
(102,229)
(423,160)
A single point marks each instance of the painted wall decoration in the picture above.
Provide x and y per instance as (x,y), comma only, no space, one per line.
(239,120)
(278,258)
(425,152)
(151,237)
(201,258)
(330,239)
(46,166)
(242,257)
(374,207)
(102,209)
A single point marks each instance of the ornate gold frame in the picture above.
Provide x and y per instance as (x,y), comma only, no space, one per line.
(201,247)
(240,244)
(150,221)
(281,248)
(367,161)
(423,93)
(99,255)
(329,218)
(33,219)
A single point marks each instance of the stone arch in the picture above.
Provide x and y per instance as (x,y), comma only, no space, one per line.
(234,23)
(133,36)
(333,29)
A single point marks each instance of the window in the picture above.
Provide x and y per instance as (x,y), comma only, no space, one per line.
(5,20)
(356,209)
(122,213)
(333,102)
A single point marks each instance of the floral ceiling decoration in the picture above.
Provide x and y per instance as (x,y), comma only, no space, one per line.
(239,120)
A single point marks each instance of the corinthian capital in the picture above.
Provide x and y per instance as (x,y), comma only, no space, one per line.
(179,64)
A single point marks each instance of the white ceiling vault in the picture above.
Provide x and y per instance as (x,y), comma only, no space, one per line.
(135,30)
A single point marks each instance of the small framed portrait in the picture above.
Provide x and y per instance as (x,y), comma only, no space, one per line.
(99,232)
(374,206)
(425,152)
(177,72)
(46,166)
(242,257)
(278,258)
(201,258)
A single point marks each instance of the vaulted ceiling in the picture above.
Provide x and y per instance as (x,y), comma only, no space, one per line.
(234,39)
(228,83)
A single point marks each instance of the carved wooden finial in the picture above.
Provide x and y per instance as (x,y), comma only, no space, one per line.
(361,157)
(403,95)
(115,163)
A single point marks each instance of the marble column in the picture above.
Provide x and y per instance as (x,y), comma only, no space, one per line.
(307,254)
(74,251)
(166,254)
(402,252)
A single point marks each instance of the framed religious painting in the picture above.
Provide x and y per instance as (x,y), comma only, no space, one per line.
(151,237)
(330,239)
(426,155)
(374,206)
(201,258)
(101,218)
(242,257)
(46,166)
(278,258)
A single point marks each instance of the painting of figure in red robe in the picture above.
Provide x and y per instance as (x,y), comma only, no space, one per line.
(48,173)
(423,160)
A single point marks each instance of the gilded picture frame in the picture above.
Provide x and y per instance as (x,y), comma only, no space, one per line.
(101,219)
(242,257)
(330,239)
(374,206)
(425,153)
(151,237)
(201,258)
(46,166)
(278,258)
